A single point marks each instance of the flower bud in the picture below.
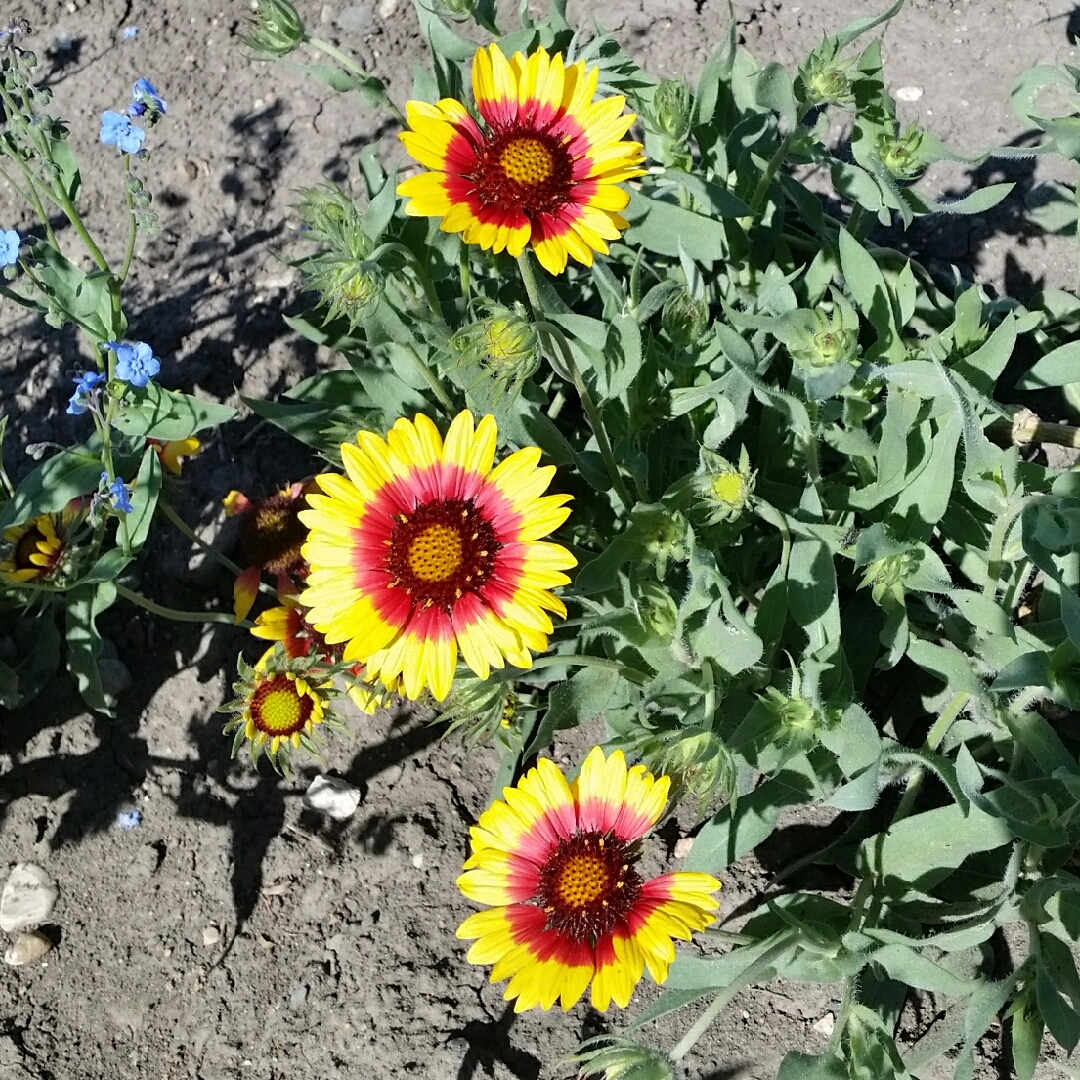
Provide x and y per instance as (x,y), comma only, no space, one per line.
(504,343)
(684,319)
(798,719)
(672,109)
(824,76)
(700,764)
(902,154)
(663,534)
(824,343)
(657,610)
(887,575)
(609,1057)
(276,28)
(725,489)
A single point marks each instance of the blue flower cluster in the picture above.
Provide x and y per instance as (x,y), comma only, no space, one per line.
(85,386)
(118,130)
(135,362)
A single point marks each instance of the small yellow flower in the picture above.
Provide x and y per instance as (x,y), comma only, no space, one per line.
(35,550)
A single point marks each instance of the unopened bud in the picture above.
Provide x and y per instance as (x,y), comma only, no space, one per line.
(672,109)
(276,28)
(657,610)
(824,343)
(902,154)
(505,344)
(684,319)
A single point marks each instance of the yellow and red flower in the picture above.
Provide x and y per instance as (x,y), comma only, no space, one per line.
(271,535)
(543,168)
(276,709)
(557,861)
(36,549)
(172,452)
(423,549)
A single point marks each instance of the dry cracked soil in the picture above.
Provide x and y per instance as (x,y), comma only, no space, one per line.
(234,934)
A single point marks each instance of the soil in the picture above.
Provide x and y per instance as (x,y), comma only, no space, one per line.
(234,934)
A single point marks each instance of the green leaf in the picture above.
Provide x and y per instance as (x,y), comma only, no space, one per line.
(867,286)
(690,972)
(663,228)
(1061,1020)
(1027,1036)
(913,969)
(570,704)
(982,1010)
(36,642)
(726,638)
(48,488)
(922,850)
(983,367)
(798,1066)
(84,604)
(144,497)
(162,414)
(1057,368)
(775,90)
(978,202)
(108,567)
(717,70)
(857,28)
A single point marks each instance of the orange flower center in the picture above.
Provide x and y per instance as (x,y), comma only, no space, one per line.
(526,160)
(440,551)
(435,553)
(522,171)
(588,885)
(277,709)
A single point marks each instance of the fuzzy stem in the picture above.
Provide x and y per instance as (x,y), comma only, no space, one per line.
(175,614)
(583,660)
(133,230)
(933,741)
(350,65)
(771,169)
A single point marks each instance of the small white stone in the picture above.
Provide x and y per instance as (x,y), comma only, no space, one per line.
(909,93)
(332,796)
(28,897)
(28,947)
(683,846)
(825,1025)
(418,860)
(211,935)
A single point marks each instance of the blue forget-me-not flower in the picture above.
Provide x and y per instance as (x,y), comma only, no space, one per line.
(85,385)
(9,247)
(119,131)
(135,363)
(144,96)
(120,492)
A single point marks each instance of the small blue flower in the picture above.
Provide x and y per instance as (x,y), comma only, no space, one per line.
(129,32)
(9,247)
(135,363)
(119,131)
(120,493)
(85,385)
(144,96)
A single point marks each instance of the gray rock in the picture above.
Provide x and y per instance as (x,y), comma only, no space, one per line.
(332,796)
(356,17)
(28,897)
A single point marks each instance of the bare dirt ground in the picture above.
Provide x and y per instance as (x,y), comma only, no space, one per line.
(234,934)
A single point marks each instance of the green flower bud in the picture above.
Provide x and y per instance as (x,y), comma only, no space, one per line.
(657,610)
(902,154)
(726,490)
(825,342)
(276,28)
(504,343)
(329,216)
(888,574)
(609,1057)
(481,710)
(699,764)
(799,721)
(684,319)
(663,533)
(672,109)
(824,76)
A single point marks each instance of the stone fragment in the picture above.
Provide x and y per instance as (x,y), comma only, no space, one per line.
(29,946)
(211,935)
(28,898)
(825,1025)
(332,796)
(909,93)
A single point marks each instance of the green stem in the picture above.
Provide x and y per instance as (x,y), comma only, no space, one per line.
(582,660)
(175,614)
(847,1003)
(133,230)
(432,380)
(33,198)
(350,65)
(180,524)
(855,221)
(422,275)
(933,741)
(1000,532)
(771,169)
(687,1042)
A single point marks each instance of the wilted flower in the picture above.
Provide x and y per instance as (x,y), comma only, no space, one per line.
(684,318)
(903,154)
(172,452)
(135,363)
(85,387)
(504,343)
(275,28)
(9,247)
(726,490)
(119,492)
(117,130)
(672,109)
(271,535)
